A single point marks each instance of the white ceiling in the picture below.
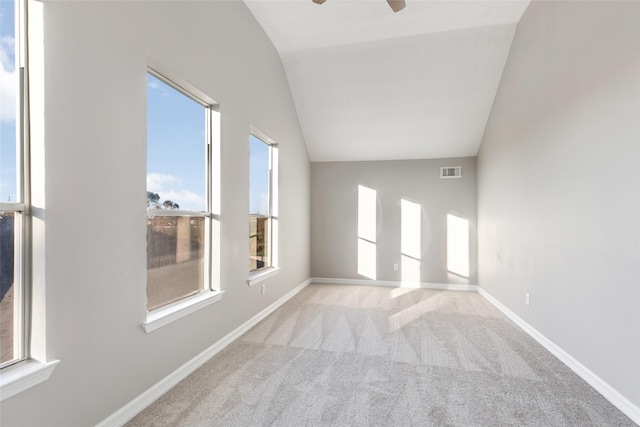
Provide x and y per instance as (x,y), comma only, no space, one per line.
(369,84)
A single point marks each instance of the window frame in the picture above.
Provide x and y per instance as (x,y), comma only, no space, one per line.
(32,367)
(212,292)
(261,274)
(21,208)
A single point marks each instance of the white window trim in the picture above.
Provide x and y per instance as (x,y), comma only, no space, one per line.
(24,375)
(261,275)
(170,313)
(178,309)
(27,373)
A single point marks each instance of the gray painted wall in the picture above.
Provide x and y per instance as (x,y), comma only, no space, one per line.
(559,184)
(94,171)
(334,215)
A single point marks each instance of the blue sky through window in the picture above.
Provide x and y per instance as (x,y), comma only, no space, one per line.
(8,92)
(176,149)
(258,176)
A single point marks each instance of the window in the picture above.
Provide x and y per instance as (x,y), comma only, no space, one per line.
(182,229)
(14,195)
(263,219)
(21,299)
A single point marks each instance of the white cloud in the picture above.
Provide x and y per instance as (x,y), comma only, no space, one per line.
(158,181)
(8,83)
(264,203)
(160,88)
(259,203)
(7,46)
(168,187)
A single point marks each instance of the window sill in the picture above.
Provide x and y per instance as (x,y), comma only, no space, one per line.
(170,313)
(23,376)
(262,275)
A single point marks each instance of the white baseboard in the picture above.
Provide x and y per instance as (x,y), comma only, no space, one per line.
(131,409)
(611,394)
(443,286)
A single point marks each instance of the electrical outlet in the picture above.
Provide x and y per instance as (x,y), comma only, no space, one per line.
(526,299)
(395,267)
(263,288)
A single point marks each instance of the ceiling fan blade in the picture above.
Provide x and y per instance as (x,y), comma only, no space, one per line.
(396,5)
(319,1)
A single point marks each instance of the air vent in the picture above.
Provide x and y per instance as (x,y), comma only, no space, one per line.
(451,172)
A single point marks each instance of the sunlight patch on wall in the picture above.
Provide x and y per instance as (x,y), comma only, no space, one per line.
(410,271)
(458,245)
(367,202)
(410,238)
(367,213)
(367,259)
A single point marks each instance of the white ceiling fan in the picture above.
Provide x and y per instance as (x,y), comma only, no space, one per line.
(396,5)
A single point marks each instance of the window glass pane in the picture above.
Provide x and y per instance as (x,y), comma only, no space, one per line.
(9,310)
(176,180)
(8,96)
(11,296)
(176,156)
(259,253)
(175,258)
(259,208)
(258,177)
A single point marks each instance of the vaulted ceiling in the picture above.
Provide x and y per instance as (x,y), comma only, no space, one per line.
(370,84)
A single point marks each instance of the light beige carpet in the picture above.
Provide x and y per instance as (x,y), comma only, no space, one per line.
(337,355)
